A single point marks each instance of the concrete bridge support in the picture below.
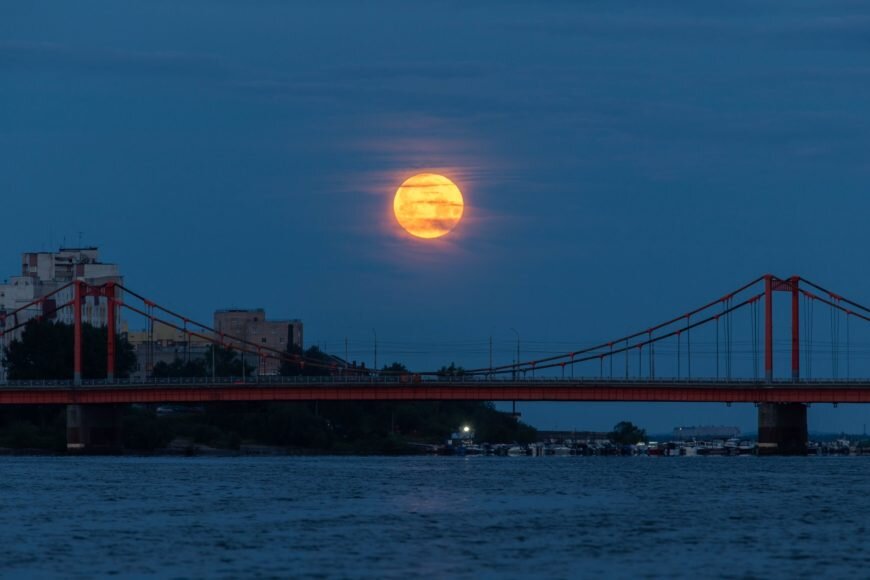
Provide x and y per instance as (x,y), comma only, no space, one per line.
(782,429)
(93,428)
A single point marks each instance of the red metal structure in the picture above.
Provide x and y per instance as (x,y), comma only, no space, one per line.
(477,383)
(482,390)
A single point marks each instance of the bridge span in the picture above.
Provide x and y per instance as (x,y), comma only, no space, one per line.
(712,360)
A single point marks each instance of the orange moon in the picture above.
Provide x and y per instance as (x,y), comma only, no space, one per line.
(428,205)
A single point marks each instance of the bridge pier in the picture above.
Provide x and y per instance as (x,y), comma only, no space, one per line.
(93,428)
(782,429)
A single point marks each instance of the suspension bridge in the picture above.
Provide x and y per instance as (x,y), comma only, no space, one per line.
(687,358)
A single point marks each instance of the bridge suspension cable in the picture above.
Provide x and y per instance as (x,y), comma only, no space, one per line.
(631,341)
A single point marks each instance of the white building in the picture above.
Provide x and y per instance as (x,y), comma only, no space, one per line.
(44,272)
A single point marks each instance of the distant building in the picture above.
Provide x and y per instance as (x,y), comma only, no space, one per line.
(164,344)
(44,272)
(706,432)
(252,326)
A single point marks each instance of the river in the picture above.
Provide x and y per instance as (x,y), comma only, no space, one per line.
(434,517)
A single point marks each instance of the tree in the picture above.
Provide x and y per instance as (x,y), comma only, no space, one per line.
(396,367)
(451,371)
(45,352)
(181,368)
(310,363)
(227,363)
(627,433)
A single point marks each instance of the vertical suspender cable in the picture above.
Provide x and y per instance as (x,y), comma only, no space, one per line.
(730,339)
(754,317)
(834,313)
(717,348)
(678,355)
(727,337)
(848,354)
(837,334)
(837,337)
(757,338)
(611,361)
(640,361)
(808,336)
(652,368)
(804,339)
(752,334)
(833,342)
(688,349)
(752,331)
(810,322)
(626,359)
(150,362)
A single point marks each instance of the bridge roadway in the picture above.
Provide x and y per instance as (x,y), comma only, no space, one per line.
(402,389)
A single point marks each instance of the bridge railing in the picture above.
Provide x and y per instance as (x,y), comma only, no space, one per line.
(275,380)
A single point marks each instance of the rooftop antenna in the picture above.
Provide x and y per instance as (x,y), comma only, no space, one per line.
(80,239)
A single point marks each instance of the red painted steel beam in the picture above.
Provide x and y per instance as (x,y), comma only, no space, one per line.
(509,391)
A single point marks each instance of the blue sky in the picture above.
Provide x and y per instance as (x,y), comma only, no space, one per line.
(622,162)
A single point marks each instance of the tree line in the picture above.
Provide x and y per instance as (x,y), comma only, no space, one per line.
(44,351)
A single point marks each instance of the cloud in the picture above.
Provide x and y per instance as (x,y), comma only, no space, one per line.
(30,56)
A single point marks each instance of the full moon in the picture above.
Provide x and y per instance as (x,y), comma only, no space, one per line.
(428,205)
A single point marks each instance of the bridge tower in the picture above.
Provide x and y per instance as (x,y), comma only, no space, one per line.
(93,428)
(782,427)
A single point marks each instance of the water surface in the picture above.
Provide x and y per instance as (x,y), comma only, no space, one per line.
(444,517)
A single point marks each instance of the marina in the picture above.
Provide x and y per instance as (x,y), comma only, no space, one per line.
(462,443)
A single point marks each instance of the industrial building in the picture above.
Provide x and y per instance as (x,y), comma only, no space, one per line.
(252,326)
(164,344)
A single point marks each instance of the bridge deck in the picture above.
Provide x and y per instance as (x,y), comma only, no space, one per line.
(24,393)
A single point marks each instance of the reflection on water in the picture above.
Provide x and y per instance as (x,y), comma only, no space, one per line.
(390,517)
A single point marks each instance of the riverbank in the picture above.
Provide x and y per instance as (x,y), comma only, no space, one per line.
(325,428)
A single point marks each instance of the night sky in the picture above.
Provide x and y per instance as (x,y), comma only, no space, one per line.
(621,162)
